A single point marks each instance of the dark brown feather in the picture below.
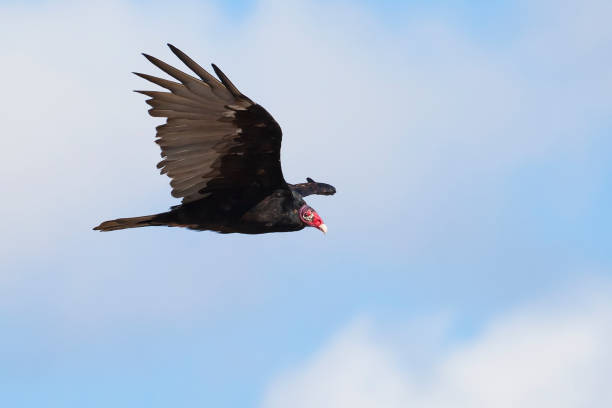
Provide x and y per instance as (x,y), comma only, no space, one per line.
(215,140)
(312,187)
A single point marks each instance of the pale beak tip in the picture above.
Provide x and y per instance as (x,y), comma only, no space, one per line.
(323,228)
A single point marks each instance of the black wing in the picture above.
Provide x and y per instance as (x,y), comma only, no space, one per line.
(215,139)
(312,187)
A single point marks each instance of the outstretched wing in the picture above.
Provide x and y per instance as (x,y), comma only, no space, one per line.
(312,187)
(215,139)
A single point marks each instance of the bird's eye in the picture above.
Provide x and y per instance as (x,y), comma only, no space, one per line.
(308,216)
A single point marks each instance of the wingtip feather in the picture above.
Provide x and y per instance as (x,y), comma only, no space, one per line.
(228,84)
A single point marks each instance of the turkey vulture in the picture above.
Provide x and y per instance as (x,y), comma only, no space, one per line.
(221,151)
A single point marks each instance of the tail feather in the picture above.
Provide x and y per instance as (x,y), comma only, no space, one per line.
(133,222)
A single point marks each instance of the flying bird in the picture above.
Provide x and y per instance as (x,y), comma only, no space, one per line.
(221,151)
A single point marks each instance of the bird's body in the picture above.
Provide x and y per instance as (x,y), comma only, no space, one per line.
(278,212)
(222,152)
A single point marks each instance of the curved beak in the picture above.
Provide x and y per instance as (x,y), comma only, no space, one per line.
(323,228)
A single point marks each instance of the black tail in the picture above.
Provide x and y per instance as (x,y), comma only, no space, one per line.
(134,222)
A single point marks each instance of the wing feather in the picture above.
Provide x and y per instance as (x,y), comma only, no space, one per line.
(215,139)
(228,84)
(312,187)
(216,86)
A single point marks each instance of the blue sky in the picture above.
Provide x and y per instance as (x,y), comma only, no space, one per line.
(469,143)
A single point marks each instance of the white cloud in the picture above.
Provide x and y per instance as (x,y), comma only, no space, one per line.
(362,105)
(410,123)
(553,353)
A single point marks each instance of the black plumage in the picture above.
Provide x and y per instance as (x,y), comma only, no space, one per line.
(221,151)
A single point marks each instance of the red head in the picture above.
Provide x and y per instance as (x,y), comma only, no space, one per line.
(311,219)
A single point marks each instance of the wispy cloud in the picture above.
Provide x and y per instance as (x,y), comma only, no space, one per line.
(471,173)
(423,128)
(553,352)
